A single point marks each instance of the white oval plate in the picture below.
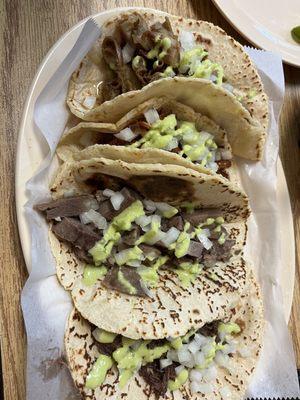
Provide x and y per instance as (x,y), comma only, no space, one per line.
(266,24)
(32,150)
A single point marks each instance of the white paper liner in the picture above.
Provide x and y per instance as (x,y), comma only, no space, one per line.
(46,305)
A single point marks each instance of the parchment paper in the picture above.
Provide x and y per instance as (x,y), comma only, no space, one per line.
(46,305)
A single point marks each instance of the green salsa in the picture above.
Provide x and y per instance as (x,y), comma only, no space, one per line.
(91,274)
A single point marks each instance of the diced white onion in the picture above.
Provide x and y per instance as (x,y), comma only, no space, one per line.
(172,355)
(122,257)
(148,292)
(199,358)
(194,346)
(225,154)
(205,231)
(127,52)
(205,388)
(179,369)
(144,220)
(208,348)
(200,339)
(225,393)
(151,116)
(96,332)
(210,374)
(207,244)
(108,192)
(229,348)
(146,228)
(213,78)
(136,344)
(89,102)
(203,155)
(156,219)
(195,375)
(217,155)
(187,40)
(221,359)
(126,134)
(116,200)
(134,263)
(163,207)
(58,219)
(194,386)
(228,87)
(94,217)
(212,166)
(149,205)
(188,138)
(173,143)
(204,136)
(165,363)
(157,237)
(184,356)
(170,236)
(213,156)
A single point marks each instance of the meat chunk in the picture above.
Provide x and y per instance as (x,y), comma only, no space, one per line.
(210,329)
(131,237)
(83,255)
(195,249)
(130,196)
(224,164)
(112,281)
(215,235)
(68,206)
(112,54)
(218,252)
(100,196)
(135,30)
(108,348)
(150,250)
(198,216)
(176,222)
(157,378)
(107,211)
(164,29)
(76,233)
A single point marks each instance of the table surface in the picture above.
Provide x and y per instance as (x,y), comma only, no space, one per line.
(28,30)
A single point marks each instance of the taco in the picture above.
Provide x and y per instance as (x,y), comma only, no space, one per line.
(158,131)
(143,50)
(213,361)
(151,239)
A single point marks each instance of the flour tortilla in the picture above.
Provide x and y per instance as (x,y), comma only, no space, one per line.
(83,141)
(82,352)
(246,136)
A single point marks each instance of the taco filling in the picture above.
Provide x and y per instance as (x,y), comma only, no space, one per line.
(138,53)
(169,133)
(167,364)
(126,239)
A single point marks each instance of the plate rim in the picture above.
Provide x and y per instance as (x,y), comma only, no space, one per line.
(21,217)
(217,3)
